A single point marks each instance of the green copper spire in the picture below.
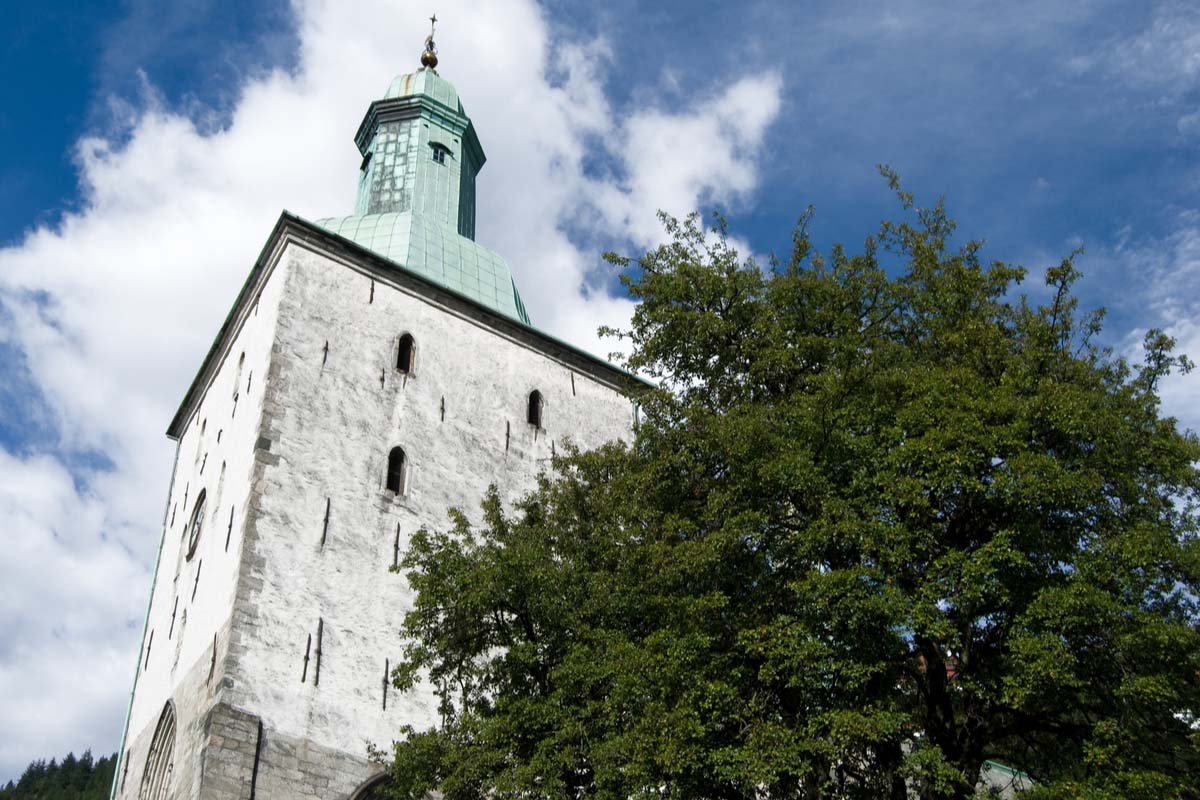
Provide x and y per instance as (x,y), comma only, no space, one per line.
(420,151)
(416,188)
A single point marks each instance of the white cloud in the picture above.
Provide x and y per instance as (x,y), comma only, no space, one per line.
(1162,57)
(1167,270)
(114,308)
(1166,51)
(1181,392)
(675,160)
(1189,125)
(1175,274)
(69,606)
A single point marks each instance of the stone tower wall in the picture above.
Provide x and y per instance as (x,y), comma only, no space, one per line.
(323,531)
(300,533)
(187,628)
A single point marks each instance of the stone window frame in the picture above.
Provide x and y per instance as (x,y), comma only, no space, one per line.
(160,758)
(404,482)
(370,788)
(535,409)
(411,369)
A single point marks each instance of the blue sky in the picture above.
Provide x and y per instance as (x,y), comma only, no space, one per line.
(68,62)
(150,146)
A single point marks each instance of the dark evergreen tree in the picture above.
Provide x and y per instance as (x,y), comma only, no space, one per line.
(81,778)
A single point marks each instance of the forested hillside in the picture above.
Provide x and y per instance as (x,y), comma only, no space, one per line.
(82,778)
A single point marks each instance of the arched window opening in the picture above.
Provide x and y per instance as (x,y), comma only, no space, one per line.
(156,780)
(196,524)
(405,353)
(534,414)
(439,152)
(395,472)
(373,788)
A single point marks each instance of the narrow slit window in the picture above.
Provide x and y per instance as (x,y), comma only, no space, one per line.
(395,471)
(405,352)
(237,376)
(196,525)
(534,413)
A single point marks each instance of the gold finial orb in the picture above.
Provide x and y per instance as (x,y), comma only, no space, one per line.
(429,58)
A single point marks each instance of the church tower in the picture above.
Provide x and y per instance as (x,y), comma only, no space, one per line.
(375,370)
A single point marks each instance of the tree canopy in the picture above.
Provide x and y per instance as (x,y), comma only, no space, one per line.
(884,518)
(73,778)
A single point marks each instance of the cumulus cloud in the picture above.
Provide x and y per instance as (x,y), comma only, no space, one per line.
(111,310)
(674,160)
(67,593)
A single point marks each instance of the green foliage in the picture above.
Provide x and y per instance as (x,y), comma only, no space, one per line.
(874,530)
(73,778)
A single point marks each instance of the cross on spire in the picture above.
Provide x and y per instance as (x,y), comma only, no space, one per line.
(429,57)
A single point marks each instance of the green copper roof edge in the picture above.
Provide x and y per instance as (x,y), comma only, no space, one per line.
(421,227)
(472,301)
(517,299)
(175,428)
(522,314)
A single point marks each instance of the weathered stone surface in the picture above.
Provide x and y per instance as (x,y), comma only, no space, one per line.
(315,428)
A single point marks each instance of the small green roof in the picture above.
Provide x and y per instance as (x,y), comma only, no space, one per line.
(435,251)
(425,82)
(421,236)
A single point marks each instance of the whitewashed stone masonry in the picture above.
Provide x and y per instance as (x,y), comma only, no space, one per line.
(300,428)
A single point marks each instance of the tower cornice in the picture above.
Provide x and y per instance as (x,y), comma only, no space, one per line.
(293,230)
(418,106)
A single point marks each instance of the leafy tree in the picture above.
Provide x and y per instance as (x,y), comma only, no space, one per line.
(884,519)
